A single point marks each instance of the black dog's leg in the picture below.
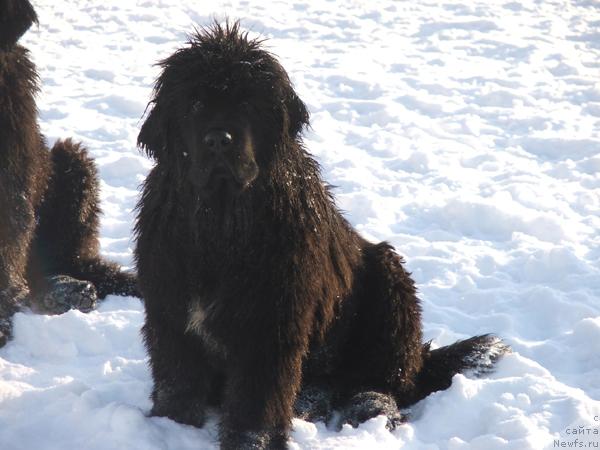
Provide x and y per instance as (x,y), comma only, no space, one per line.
(258,400)
(22,170)
(183,379)
(389,340)
(67,238)
(384,352)
(16,230)
(262,384)
(17,224)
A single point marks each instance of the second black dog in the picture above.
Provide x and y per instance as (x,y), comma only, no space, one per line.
(49,206)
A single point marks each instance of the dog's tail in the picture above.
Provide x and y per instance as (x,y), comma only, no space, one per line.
(16,16)
(476,355)
(67,238)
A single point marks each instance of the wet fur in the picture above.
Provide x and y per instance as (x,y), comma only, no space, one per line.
(268,303)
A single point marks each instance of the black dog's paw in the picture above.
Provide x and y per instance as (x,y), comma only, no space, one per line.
(5,330)
(181,408)
(252,440)
(11,300)
(366,405)
(314,404)
(65,293)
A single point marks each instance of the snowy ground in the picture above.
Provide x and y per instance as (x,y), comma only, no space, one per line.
(466,133)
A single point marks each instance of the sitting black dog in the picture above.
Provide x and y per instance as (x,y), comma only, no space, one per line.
(261,299)
(49,251)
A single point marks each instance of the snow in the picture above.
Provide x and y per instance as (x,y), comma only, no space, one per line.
(465,133)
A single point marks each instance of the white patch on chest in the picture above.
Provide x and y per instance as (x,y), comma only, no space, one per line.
(196,317)
(196,324)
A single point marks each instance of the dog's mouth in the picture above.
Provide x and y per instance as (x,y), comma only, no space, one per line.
(220,180)
(220,174)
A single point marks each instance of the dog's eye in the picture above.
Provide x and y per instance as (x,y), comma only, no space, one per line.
(197,107)
(246,107)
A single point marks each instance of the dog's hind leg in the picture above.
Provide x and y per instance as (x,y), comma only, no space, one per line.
(383,352)
(67,239)
(390,357)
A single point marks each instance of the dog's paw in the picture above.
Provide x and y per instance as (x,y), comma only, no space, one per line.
(366,405)
(314,403)
(5,329)
(65,293)
(252,440)
(11,300)
(179,407)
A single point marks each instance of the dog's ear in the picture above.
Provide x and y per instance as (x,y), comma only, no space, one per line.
(298,116)
(16,16)
(152,138)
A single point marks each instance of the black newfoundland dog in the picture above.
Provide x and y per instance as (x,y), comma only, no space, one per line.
(261,299)
(49,252)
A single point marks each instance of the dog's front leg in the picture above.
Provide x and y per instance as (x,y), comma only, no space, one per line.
(263,380)
(181,370)
(17,224)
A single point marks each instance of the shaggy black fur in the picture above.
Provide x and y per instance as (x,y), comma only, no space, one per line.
(48,199)
(261,299)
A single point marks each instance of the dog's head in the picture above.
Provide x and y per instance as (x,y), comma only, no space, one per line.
(222,107)
(16,16)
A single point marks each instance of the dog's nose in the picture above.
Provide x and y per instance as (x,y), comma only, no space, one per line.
(218,140)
